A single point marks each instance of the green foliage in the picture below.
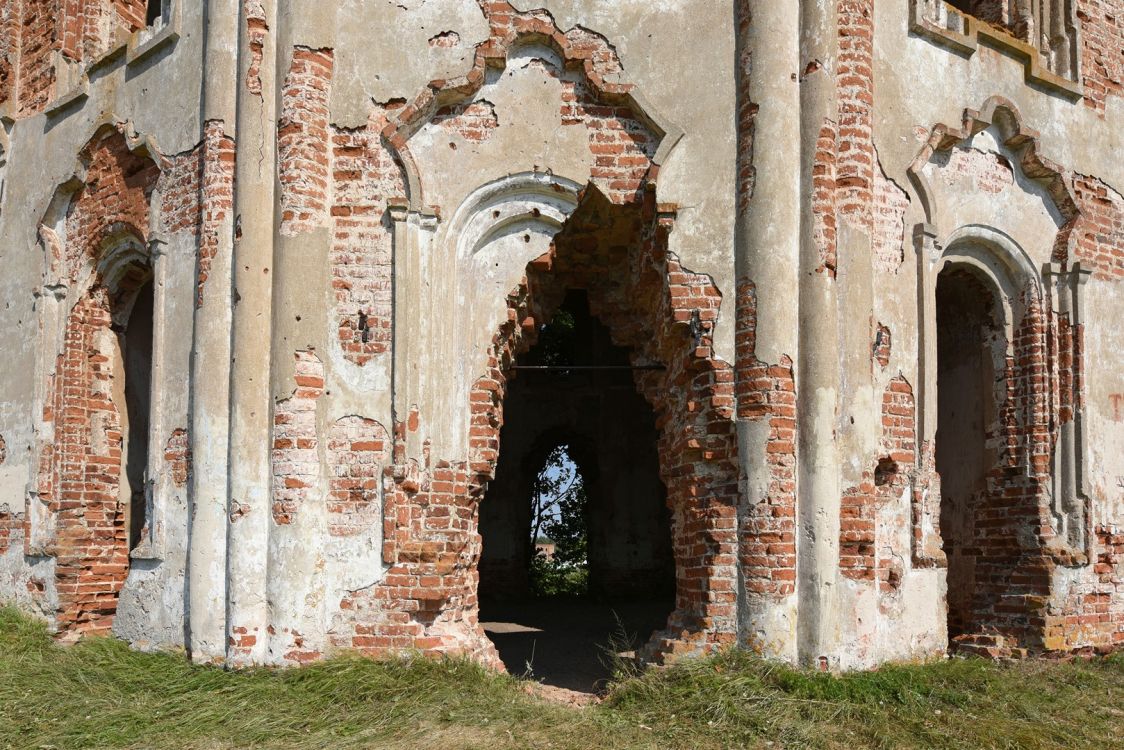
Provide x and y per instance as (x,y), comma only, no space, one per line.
(100,694)
(549,579)
(559,514)
(556,343)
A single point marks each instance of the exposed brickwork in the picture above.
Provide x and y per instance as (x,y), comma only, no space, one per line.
(365,176)
(178,187)
(92,546)
(864,550)
(445,40)
(987,171)
(1099,231)
(890,205)
(428,598)
(132,13)
(177,454)
(296,461)
(621,144)
(82,31)
(854,170)
(39,36)
(256,30)
(11,528)
(746,109)
(358,450)
(1002,14)
(767,392)
(883,341)
(1090,616)
(79,475)
(1102,60)
(303,142)
(824,198)
(217,198)
(1010,524)
(11,522)
(11,14)
(113,200)
(473,121)
(196,191)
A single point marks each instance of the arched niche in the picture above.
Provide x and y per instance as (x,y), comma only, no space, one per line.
(993,203)
(453,279)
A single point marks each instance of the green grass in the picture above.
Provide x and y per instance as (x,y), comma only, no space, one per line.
(99,694)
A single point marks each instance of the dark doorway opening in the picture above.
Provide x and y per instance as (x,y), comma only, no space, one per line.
(136,347)
(966,418)
(579,460)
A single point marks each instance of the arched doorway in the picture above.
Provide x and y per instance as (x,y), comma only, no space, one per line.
(577,563)
(988,434)
(967,331)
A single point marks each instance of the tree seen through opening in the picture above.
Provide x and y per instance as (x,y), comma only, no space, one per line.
(559,536)
(576,565)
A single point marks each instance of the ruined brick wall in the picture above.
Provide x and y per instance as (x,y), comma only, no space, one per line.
(1100,228)
(11,14)
(365,176)
(217,198)
(80,473)
(92,545)
(296,462)
(358,449)
(303,141)
(1102,60)
(890,205)
(114,199)
(854,168)
(11,519)
(866,547)
(428,598)
(177,455)
(81,31)
(39,36)
(767,392)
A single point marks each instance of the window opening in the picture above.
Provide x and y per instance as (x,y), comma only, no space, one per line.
(559,535)
(154,12)
(136,345)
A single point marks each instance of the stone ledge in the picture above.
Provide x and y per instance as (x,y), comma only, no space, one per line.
(967,33)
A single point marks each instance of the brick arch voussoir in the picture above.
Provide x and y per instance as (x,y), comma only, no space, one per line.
(510,28)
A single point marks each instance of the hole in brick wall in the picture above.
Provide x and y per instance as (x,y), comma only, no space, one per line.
(884,472)
(980,520)
(577,553)
(136,344)
(363,325)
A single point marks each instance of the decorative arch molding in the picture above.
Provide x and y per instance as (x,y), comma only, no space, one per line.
(1054,293)
(997,256)
(510,204)
(1023,141)
(578,48)
(120,258)
(1039,312)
